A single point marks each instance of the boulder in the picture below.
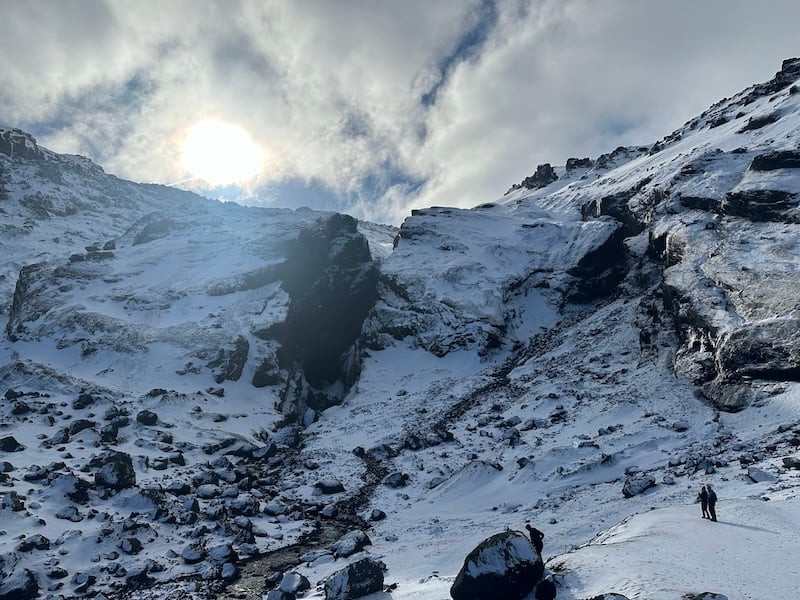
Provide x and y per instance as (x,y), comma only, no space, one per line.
(636,484)
(396,480)
(544,176)
(20,585)
(293,583)
(329,486)
(116,471)
(10,444)
(147,417)
(505,565)
(193,554)
(354,581)
(350,543)
(791,462)
(759,475)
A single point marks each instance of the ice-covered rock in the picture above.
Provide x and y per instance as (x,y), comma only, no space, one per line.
(505,565)
(358,579)
(350,543)
(636,484)
(116,471)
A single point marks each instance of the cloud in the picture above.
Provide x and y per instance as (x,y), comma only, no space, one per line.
(376,108)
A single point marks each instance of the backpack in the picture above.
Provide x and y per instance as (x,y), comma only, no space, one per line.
(712,496)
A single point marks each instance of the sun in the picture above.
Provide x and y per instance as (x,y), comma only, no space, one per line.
(221,153)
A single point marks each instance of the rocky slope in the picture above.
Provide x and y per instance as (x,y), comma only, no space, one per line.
(200,393)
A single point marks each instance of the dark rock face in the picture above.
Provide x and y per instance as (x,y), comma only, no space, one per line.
(354,581)
(579,163)
(10,444)
(778,159)
(503,566)
(24,291)
(764,350)
(544,176)
(20,585)
(332,282)
(116,471)
(147,417)
(19,144)
(601,270)
(758,122)
(760,205)
(229,363)
(789,73)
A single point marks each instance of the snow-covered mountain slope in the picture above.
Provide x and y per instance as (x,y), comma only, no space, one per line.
(205,396)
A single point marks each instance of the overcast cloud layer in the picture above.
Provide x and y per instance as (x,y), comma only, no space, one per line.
(377,107)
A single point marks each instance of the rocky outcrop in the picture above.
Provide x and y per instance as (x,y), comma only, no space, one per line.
(503,566)
(777,159)
(19,144)
(600,270)
(762,205)
(763,350)
(332,282)
(542,177)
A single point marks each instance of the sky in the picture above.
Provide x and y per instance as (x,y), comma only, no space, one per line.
(373,107)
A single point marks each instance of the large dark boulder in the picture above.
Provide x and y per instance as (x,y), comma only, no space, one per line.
(354,581)
(10,444)
(116,471)
(503,566)
(147,417)
(20,585)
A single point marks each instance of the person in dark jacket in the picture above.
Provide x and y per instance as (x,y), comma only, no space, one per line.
(537,538)
(712,503)
(704,502)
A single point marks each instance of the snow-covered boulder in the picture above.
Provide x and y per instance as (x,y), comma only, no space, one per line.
(20,585)
(503,566)
(636,484)
(350,543)
(116,471)
(354,581)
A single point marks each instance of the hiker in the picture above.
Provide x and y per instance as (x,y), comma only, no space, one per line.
(704,502)
(712,503)
(537,538)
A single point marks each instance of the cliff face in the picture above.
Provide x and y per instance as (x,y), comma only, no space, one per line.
(709,213)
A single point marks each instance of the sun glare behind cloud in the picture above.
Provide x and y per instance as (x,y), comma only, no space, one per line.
(221,153)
